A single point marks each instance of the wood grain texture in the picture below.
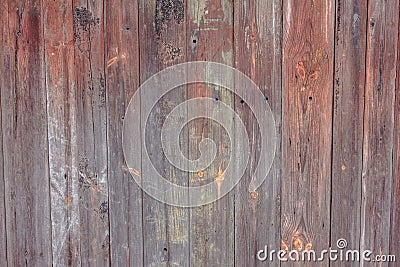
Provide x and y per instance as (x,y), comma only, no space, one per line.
(307,125)
(210,38)
(258,54)
(4,56)
(122,80)
(68,69)
(394,248)
(162,42)
(24,125)
(348,112)
(91,132)
(61,117)
(377,175)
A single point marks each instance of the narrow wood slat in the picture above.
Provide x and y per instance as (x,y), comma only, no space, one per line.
(210,38)
(4,83)
(24,124)
(162,44)
(394,248)
(61,117)
(122,80)
(91,132)
(258,31)
(3,233)
(307,127)
(377,175)
(349,81)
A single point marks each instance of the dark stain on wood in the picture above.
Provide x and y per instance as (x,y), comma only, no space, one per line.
(167,10)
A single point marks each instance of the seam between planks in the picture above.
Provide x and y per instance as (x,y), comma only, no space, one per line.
(138,34)
(333,122)
(363,131)
(107,130)
(47,131)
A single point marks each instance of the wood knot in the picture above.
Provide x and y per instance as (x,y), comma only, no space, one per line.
(304,76)
(284,246)
(301,70)
(298,244)
(254,195)
(313,76)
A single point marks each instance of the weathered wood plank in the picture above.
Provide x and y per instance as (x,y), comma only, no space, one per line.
(4,57)
(210,38)
(307,127)
(4,83)
(61,117)
(258,54)
(349,81)
(3,233)
(377,175)
(162,43)
(394,247)
(122,80)
(91,131)
(25,148)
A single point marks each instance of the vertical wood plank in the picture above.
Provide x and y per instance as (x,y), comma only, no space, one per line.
(377,175)
(162,44)
(4,83)
(349,82)
(258,54)
(4,58)
(91,131)
(122,80)
(61,116)
(307,127)
(25,148)
(3,233)
(210,38)
(394,248)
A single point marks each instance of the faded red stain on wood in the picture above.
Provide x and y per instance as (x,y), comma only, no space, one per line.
(329,69)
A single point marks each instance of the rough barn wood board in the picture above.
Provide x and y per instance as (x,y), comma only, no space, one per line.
(68,70)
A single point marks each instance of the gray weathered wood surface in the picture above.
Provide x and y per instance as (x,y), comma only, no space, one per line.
(329,69)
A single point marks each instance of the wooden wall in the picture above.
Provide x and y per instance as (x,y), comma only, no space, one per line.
(329,69)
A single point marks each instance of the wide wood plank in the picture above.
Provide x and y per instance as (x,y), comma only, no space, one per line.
(24,125)
(258,54)
(210,38)
(349,81)
(62,116)
(162,42)
(91,131)
(122,80)
(307,127)
(377,175)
